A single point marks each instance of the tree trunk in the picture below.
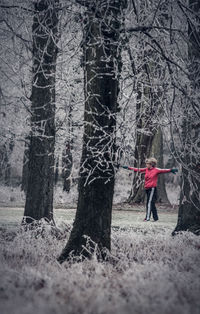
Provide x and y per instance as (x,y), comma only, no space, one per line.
(67,159)
(9,149)
(157,152)
(56,173)
(145,132)
(67,163)
(142,151)
(148,145)
(92,225)
(39,198)
(189,207)
(148,109)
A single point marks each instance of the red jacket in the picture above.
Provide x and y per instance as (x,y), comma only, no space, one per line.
(151,175)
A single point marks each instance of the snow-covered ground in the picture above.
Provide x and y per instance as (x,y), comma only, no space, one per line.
(150,272)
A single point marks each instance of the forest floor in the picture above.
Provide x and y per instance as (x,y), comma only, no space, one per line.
(149,270)
(123,216)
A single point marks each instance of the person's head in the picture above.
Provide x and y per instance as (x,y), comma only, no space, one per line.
(151,162)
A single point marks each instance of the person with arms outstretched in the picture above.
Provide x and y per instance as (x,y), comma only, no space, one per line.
(150,184)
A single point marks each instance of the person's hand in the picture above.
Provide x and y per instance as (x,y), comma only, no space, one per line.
(125,167)
(174,170)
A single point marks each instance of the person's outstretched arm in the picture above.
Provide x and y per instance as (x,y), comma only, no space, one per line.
(134,169)
(167,170)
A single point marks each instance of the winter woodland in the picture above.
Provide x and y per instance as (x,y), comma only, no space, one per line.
(86,87)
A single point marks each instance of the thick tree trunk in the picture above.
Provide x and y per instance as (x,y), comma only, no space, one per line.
(189,208)
(92,225)
(39,198)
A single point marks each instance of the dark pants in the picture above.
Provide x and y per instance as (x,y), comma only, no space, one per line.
(150,206)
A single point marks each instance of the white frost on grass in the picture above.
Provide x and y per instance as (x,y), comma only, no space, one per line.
(150,273)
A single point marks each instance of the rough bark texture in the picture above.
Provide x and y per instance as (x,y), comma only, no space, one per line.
(39,198)
(189,208)
(92,225)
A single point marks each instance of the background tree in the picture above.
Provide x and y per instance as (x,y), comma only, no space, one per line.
(96,184)
(39,198)
(67,159)
(157,151)
(189,207)
(148,84)
(67,163)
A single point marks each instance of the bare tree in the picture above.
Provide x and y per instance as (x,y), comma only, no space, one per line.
(39,197)
(92,225)
(189,207)
(148,85)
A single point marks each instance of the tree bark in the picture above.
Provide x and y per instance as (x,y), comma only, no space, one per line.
(189,207)
(39,198)
(92,226)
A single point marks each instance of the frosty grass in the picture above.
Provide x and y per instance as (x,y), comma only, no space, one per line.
(150,272)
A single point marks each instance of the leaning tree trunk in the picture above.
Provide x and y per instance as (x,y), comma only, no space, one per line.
(92,225)
(39,198)
(189,207)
